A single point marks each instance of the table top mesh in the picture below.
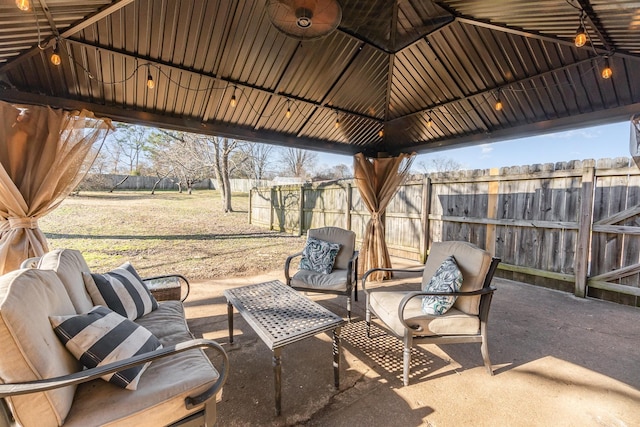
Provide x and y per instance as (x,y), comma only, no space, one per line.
(279,314)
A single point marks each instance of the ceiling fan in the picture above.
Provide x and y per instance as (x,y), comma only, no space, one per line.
(305,19)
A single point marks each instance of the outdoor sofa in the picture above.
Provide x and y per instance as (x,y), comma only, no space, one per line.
(179,386)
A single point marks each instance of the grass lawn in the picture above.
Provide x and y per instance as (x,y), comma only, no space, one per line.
(167,232)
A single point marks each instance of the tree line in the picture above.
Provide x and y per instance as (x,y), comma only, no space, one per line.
(189,158)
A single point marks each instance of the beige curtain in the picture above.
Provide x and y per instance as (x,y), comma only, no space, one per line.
(378,180)
(44,153)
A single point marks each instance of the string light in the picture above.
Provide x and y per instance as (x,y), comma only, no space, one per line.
(381,133)
(606,71)
(24,5)
(234,101)
(499,104)
(337,124)
(581,33)
(429,122)
(150,83)
(288,113)
(55,56)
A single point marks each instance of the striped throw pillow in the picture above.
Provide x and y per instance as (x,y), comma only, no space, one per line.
(102,336)
(122,290)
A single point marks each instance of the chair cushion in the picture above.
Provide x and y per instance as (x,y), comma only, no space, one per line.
(69,264)
(319,255)
(30,349)
(102,336)
(345,238)
(447,278)
(122,290)
(334,281)
(472,261)
(454,322)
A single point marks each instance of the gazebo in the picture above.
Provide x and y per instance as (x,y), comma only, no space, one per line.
(374,76)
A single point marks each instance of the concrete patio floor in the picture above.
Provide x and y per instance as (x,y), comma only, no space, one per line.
(558,361)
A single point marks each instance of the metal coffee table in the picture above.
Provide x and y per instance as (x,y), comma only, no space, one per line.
(281,316)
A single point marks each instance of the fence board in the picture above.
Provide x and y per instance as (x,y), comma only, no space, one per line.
(542,231)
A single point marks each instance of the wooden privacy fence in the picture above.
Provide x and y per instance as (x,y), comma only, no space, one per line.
(573,226)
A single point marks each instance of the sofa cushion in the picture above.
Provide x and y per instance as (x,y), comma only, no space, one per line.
(168,323)
(102,336)
(319,255)
(161,390)
(453,322)
(472,261)
(30,348)
(122,290)
(447,278)
(69,264)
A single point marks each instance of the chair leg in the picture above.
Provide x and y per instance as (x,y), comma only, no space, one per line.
(367,318)
(349,308)
(355,291)
(484,348)
(406,362)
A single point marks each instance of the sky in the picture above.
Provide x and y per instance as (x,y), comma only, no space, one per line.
(597,142)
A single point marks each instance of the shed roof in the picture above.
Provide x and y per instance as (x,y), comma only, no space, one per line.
(398,76)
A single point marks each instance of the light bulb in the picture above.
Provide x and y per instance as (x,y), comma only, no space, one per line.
(55,57)
(606,71)
(24,5)
(288,114)
(381,133)
(337,124)
(499,105)
(581,36)
(234,102)
(150,82)
(429,123)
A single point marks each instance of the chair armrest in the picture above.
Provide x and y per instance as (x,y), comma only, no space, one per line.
(393,270)
(30,262)
(352,268)
(15,389)
(287,266)
(411,295)
(180,277)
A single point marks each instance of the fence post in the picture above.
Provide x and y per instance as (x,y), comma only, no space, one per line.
(348,209)
(301,212)
(250,199)
(585,221)
(273,208)
(426,210)
(492,211)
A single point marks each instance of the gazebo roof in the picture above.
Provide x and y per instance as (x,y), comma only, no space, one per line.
(399,76)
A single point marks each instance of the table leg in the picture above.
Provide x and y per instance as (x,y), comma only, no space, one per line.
(336,357)
(230,321)
(277,374)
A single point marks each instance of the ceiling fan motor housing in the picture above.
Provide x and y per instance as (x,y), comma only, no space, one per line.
(303,17)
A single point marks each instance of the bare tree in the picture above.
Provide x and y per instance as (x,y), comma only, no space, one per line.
(297,162)
(129,144)
(193,157)
(253,160)
(178,154)
(439,164)
(223,147)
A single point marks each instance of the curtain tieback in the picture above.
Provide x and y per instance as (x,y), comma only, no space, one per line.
(28,222)
(375,216)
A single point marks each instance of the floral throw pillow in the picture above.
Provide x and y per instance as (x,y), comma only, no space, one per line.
(447,278)
(319,255)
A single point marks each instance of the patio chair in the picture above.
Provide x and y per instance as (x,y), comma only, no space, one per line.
(407,315)
(341,278)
